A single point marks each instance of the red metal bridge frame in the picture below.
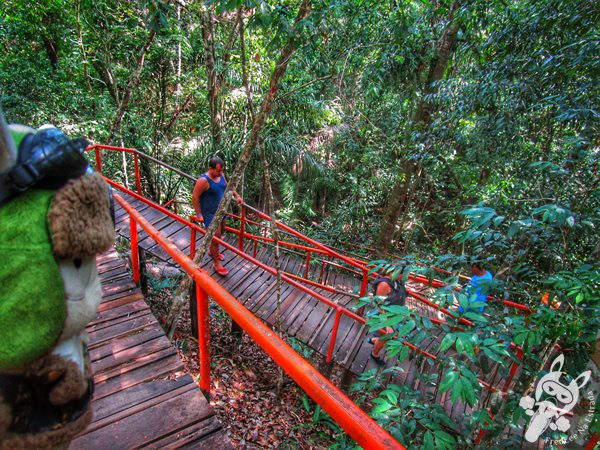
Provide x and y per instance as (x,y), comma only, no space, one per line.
(320,248)
(286,277)
(338,309)
(350,417)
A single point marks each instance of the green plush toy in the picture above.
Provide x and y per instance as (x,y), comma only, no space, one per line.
(54,218)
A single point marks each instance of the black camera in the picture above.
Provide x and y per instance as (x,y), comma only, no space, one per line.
(47,160)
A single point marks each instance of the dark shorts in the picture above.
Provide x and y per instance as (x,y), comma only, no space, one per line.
(208,218)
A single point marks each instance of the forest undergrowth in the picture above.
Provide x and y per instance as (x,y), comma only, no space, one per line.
(243,388)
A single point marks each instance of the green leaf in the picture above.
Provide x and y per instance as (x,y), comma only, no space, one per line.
(427,323)
(520,338)
(317,413)
(456,392)
(391,395)
(459,345)
(443,439)
(492,355)
(382,407)
(403,354)
(469,349)
(428,441)
(449,378)
(406,328)
(469,392)
(447,342)
(305,403)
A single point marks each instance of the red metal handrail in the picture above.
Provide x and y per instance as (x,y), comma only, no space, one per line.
(353,262)
(350,417)
(318,249)
(290,280)
(194,227)
(338,309)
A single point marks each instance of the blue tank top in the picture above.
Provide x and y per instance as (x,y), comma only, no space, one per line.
(210,199)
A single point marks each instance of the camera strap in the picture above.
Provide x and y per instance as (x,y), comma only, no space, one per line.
(49,167)
(17,180)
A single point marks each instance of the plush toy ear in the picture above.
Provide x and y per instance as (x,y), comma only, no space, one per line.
(80,220)
(559,361)
(8,150)
(582,379)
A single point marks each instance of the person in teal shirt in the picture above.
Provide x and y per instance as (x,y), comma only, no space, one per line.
(477,289)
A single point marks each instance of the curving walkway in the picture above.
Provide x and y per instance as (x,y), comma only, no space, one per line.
(142,398)
(305,318)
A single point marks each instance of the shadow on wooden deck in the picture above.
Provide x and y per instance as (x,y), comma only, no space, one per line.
(142,398)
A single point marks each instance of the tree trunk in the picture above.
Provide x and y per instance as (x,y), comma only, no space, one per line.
(146,172)
(108,79)
(422,119)
(259,121)
(437,68)
(392,212)
(213,82)
(84,57)
(244,65)
(179,64)
(133,82)
(52,52)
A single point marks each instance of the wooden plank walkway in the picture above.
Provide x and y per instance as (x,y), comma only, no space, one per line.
(302,316)
(142,398)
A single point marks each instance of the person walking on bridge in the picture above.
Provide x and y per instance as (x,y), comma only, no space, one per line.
(208,193)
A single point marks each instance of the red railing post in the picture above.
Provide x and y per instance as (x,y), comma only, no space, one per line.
(592,442)
(365,283)
(307,264)
(192,242)
(513,370)
(203,338)
(254,249)
(242,228)
(138,180)
(135,257)
(334,332)
(98,160)
(481,433)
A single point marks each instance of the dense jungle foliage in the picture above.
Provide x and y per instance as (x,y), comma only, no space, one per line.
(435,132)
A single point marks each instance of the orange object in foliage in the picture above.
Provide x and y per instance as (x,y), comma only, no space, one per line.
(546,298)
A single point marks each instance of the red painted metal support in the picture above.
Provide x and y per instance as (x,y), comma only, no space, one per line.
(320,249)
(254,249)
(98,160)
(242,228)
(482,431)
(336,326)
(138,179)
(307,265)
(203,337)
(513,369)
(192,242)
(135,257)
(350,417)
(365,283)
(592,442)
